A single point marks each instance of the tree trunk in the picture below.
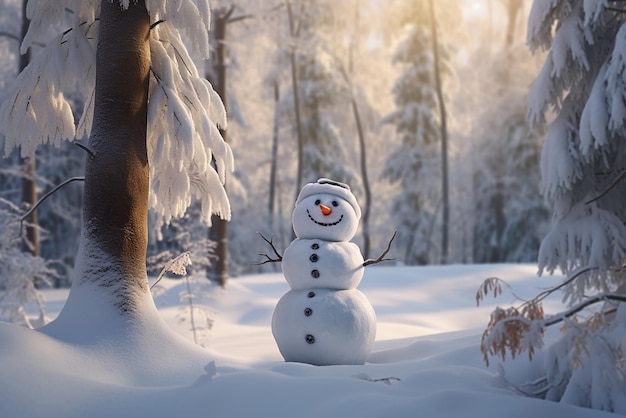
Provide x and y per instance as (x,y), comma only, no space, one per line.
(274,161)
(367,203)
(115,207)
(296,99)
(110,311)
(219,227)
(444,139)
(513,9)
(29,179)
(498,201)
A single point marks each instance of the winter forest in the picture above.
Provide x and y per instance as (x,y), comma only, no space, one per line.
(148,140)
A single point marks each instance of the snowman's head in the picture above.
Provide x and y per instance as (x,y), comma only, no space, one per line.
(326,210)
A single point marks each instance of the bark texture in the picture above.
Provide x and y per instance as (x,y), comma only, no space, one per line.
(115,212)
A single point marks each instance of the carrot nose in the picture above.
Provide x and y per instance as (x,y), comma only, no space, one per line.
(326,210)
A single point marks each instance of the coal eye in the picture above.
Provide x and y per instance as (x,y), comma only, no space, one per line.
(335,203)
(317,202)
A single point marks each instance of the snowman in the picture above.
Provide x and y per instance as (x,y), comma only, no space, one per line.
(324,319)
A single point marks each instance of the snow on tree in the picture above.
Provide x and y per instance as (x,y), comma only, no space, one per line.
(9,41)
(18,269)
(416,162)
(183,111)
(152,128)
(582,168)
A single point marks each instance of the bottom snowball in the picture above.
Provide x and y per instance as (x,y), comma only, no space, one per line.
(324,326)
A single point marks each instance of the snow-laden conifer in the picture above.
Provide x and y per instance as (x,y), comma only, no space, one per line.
(141,149)
(582,167)
(417,160)
(184,110)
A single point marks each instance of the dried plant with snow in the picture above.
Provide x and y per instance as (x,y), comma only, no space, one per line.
(19,271)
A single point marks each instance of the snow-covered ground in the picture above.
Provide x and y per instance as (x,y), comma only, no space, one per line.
(426,360)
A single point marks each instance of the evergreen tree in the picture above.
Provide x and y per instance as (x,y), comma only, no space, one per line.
(415,163)
(582,168)
(510,214)
(151,123)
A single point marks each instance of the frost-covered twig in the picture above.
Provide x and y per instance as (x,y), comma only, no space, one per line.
(177,266)
(381,258)
(18,271)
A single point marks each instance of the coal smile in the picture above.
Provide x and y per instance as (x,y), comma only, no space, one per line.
(324,223)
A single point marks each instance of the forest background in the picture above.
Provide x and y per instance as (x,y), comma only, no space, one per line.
(369,113)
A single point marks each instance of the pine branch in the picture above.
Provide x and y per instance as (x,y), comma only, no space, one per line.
(381,258)
(602,297)
(548,292)
(269,259)
(493,283)
(609,188)
(527,322)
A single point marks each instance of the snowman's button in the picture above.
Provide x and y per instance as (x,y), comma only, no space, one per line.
(315,274)
(314,257)
(311,294)
(309,339)
(315,246)
(308,312)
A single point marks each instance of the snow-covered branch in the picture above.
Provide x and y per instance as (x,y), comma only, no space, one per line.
(602,297)
(188,157)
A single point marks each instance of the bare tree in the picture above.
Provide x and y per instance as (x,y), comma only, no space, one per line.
(294,30)
(274,161)
(29,164)
(219,227)
(445,195)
